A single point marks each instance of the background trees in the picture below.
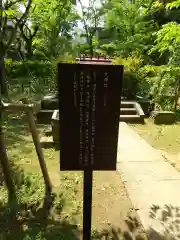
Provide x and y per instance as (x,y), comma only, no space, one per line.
(10,19)
(45,32)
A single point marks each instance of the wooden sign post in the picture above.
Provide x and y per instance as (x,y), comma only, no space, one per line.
(89,101)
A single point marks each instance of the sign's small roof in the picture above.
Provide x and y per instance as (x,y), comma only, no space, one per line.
(94,60)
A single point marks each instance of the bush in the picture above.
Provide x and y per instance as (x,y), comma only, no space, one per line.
(19,69)
(31,191)
(147,76)
(35,68)
(63,59)
(163,84)
(131,65)
(130,85)
(66,58)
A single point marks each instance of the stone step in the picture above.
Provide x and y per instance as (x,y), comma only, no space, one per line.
(48,132)
(50,104)
(126,104)
(44,116)
(128,111)
(47,142)
(131,119)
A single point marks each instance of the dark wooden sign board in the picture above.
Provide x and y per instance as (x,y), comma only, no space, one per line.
(89,111)
(89,100)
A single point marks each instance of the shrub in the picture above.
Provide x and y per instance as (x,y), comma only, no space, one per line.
(130,85)
(66,58)
(131,65)
(31,191)
(163,84)
(36,68)
(147,76)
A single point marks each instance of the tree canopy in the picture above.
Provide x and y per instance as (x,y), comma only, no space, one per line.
(139,33)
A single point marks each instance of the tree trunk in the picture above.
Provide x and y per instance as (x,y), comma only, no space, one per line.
(39,151)
(6,166)
(29,48)
(3,83)
(91,47)
(176,96)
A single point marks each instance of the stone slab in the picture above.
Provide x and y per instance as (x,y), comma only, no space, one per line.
(55,126)
(145,171)
(47,142)
(44,116)
(126,145)
(163,117)
(152,183)
(50,101)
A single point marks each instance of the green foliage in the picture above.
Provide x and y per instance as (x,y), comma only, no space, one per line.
(129,31)
(167,38)
(56,20)
(91,19)
(19,69)
(123,29)
(131,64)
(26,219)
(66,58)
(173,4)
(31,191)
(35,68)
(34,75)
(149,71)
(163,85)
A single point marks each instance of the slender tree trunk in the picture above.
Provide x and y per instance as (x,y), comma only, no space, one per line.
(3,83)
(3,155)
(20,52)
(91,50)
(35,136)
(6,167)
(29,48)
(176,96)
(49,196)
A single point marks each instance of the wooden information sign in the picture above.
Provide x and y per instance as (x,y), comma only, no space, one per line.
(89,100)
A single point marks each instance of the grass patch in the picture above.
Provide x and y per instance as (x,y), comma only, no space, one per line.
(26,221)
(110,201)
(111,204)
(163,137)
(62,223)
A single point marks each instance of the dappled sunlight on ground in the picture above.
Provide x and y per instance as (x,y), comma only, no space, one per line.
(111,205)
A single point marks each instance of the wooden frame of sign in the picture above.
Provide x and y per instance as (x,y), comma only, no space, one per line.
(89,111)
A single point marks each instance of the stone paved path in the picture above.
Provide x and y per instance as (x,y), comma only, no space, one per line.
(152,184)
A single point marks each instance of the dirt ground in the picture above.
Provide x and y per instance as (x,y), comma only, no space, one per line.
(111,204)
